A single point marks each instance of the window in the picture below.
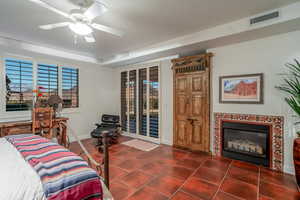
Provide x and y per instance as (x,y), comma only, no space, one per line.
(70,87)
(22,76)
(19,84)
(48,79)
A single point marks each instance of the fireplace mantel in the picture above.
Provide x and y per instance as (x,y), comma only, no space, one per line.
(275,122)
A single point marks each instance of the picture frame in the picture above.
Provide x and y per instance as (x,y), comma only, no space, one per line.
(242,89)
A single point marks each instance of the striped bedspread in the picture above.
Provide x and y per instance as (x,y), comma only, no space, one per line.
(64,175)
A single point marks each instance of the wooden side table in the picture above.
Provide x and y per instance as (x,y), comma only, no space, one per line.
(25,127)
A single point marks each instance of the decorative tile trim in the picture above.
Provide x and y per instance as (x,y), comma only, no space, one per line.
(277,128)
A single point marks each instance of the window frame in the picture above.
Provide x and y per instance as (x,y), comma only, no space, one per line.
(61,85)
(37,74)
(24,114)
(20,113)
(20,74)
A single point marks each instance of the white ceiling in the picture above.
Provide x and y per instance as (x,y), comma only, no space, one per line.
(145,22)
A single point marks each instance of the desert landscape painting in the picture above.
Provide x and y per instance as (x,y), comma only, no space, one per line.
(244,88)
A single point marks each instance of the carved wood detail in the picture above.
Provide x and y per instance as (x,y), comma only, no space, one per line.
(192,102)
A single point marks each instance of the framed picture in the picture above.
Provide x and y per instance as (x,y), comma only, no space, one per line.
(241,89)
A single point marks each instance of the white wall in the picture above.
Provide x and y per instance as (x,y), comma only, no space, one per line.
(266,56)
(97,92)
(166,102)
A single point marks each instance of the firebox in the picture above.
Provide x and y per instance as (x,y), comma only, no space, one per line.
(246,142)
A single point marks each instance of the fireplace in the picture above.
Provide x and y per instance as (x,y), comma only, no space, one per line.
(275,141)
(246,142)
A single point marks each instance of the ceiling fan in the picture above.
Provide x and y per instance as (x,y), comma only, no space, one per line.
(81,21)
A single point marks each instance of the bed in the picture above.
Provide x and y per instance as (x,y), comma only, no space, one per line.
(33,167)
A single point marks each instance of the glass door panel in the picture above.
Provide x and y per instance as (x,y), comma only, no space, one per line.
(153,102)
(143,102)
(124,113)
(132,101)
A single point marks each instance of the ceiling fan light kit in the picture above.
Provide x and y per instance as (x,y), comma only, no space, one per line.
(89,39)
(80,28)
(82,21)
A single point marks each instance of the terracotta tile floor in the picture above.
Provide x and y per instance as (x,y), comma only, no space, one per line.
(170,173)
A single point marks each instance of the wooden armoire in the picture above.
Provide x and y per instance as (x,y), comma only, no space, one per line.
(192,102)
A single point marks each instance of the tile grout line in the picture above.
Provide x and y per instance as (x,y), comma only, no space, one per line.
(202,163)
(258,183)
(187,194)
(144,185)
(233,196)
(139,188)
(281,185)
(222,180)
(124,183)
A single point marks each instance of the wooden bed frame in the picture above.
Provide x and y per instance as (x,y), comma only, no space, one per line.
(103,168)
(42,118)
(105,161)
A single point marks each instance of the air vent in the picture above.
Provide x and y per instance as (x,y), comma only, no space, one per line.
(265,17)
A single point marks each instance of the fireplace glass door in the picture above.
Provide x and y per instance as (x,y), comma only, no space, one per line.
(247,142)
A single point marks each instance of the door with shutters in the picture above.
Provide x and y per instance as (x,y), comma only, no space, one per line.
(140,103)
(192,103)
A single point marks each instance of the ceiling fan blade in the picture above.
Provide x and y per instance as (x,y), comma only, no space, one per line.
(49,7)
(52,26)
(95,10)
(89,38)
(107,29)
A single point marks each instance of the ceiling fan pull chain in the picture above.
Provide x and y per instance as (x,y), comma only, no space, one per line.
(75,39)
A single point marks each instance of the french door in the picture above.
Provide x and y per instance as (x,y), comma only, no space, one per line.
(140,104)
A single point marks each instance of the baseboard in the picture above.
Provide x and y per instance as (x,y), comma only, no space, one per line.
(167,142)
(127,135)
(80,136)
(289,169)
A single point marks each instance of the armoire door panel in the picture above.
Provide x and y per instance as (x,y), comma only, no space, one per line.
(197,102)
(182,112)
(191,103)
(182,133)
(181,84)
(197,85)
(196,133)
(182,105)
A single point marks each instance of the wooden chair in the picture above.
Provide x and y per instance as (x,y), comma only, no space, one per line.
(42,122)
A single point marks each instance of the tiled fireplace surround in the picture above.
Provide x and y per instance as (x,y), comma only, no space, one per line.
(275,122)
